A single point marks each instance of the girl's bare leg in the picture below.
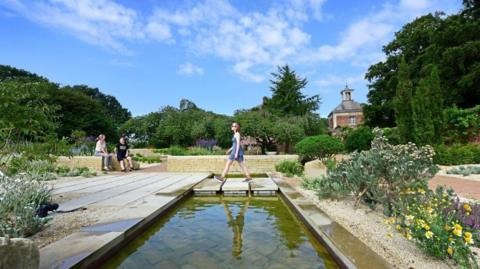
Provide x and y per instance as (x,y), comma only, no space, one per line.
(227,167)
(122,164)
(244,169)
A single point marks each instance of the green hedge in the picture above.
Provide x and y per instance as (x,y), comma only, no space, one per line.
(289,168)
(319,147)
(457,154)
(359,139)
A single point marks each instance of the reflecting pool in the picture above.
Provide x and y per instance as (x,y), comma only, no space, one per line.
(225,232)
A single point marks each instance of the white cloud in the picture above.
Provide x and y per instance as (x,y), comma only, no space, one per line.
(331,81)
(189,69)
(252,42)
(99,22)
(363,39)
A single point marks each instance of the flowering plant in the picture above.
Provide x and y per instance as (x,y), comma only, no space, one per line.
(436,222)
(20,197)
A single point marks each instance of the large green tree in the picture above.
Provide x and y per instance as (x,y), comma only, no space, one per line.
(80,112)
(114,110)
(452,43)
(287,97)
(403,104)
(24,111)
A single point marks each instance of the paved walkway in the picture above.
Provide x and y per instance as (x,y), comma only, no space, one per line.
(463,187)
(130,199)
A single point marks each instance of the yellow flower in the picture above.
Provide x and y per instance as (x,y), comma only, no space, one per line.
(426,227)
(444,194)
(421,191)
(429,210)
(398,227)
(408,236)
(467,207)
(428,234)
(446,227)
(450,251)
(450,240)
(389,235)
(457,230)
(468,239)
(391,220)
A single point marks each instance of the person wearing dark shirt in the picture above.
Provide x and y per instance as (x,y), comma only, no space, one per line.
(122,155)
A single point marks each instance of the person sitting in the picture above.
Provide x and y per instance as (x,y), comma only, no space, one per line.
(122,155)
(101,150)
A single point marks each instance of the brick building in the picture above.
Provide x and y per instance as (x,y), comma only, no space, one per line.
(348,113)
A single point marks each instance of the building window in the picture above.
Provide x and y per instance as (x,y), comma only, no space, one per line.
(352,120)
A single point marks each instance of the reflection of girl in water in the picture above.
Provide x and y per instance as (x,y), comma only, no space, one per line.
(237,226)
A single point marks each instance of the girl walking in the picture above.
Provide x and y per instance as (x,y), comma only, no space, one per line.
(235,154)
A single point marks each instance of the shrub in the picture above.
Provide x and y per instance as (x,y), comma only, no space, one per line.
(392,135)
(465,170)
(181,151)
(20,197)
(359,139)
(45,168)
(457,154)
(172,150)
(147,159)
(377,175)
(320,147)
(289,168)
(65,171)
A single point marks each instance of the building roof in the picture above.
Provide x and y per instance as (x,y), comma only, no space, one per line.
(347,106)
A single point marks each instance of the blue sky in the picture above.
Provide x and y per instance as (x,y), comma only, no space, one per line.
(216,53)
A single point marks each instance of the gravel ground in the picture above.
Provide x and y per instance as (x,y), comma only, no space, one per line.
(64,224)
(369,227)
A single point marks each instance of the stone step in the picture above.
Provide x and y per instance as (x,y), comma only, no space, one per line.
(236,187)
(263,186)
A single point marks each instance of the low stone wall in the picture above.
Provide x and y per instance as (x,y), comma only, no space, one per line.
(18,253)
(92,162)
(215,164)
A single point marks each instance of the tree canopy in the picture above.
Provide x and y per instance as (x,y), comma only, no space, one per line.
(287,97)
(451,43)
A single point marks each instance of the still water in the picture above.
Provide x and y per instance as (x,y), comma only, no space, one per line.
(225,232)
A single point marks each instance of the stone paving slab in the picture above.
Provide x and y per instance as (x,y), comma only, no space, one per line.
(74,248)
(116,183)
(263,186)
(97,183)
(108,193)
(162,182)
(72,181)
(182,185)
(209,186)
(235,187)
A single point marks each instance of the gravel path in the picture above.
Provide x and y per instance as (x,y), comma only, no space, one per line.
(463,187)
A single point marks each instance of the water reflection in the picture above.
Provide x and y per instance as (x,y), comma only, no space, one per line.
(225,232)
(236,224)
